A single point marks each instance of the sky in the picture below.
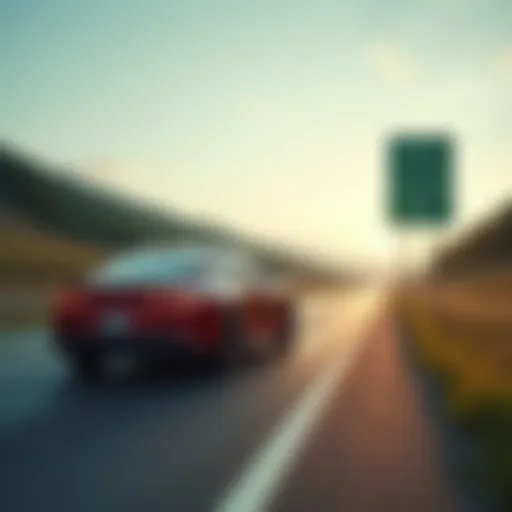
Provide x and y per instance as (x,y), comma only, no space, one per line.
(269,115)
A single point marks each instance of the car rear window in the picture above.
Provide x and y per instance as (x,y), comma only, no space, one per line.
(152,268)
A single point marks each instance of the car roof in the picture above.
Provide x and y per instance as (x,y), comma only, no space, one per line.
(194,251)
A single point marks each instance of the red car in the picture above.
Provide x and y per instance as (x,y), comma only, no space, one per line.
(172,302)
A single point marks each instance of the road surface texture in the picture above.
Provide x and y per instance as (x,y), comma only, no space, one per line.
(334,426)
(375,448)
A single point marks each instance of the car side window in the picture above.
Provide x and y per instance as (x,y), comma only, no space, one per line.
(238,270)
(252,274)
(224,279)
(237,273)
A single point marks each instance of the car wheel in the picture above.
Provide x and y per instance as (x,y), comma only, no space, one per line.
(287,332)
(232,353)
(88,367)
(262,347)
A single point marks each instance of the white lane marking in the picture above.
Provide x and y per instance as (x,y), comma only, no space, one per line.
(257,485)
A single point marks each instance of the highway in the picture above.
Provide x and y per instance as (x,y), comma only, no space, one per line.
(333,426)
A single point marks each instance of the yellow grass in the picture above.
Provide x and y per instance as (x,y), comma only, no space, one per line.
(37,263)
(471,345)
(463,333)
(28,254)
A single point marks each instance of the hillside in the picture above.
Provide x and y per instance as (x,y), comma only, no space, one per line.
(32,258)
(487,246)
(54,220)
(64,204)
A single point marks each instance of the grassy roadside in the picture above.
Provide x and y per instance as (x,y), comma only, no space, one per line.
(462,335)
(25,307)
(22,320)
(33,259)
(33,264)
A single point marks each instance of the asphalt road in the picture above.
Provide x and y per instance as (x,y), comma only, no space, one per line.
(194,442)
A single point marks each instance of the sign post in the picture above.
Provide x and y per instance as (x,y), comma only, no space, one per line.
(420,183)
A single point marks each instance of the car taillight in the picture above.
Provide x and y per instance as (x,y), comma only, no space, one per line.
(208,324)
(175,302)
(71,303)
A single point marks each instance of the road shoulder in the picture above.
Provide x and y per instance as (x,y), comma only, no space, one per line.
(377,448)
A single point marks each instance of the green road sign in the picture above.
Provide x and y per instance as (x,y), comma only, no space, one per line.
(420,179)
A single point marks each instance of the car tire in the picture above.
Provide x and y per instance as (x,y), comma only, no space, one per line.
(88,367)
(231,354)
(288,331)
